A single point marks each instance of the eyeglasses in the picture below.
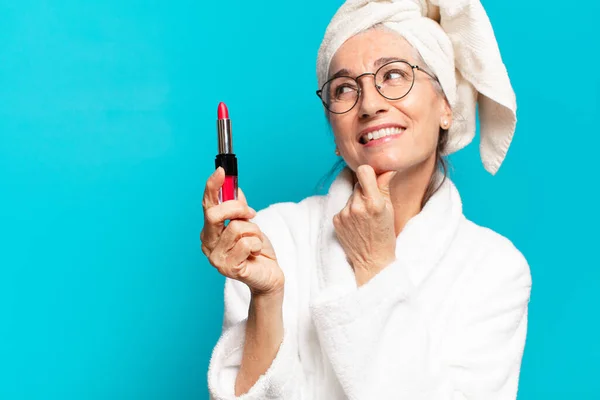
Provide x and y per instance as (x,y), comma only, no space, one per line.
(393,80)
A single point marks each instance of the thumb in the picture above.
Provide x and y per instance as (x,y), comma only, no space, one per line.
(383,182)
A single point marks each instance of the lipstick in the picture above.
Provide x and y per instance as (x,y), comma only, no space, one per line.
(226,158)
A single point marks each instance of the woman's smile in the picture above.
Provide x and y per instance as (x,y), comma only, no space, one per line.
(381,136)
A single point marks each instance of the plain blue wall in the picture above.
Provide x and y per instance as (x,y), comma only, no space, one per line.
(107,134)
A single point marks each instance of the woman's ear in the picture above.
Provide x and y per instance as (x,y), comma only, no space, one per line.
(446,115)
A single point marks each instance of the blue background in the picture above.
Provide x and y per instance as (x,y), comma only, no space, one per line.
(107,134)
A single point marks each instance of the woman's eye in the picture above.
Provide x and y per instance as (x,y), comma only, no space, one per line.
(395,74)
(344,89)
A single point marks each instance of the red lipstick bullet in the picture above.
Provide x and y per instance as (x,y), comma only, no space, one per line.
(222,112)
(226,158)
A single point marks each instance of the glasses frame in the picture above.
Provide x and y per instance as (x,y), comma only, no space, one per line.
(359,90)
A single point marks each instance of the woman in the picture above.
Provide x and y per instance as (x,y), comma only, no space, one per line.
(381,289)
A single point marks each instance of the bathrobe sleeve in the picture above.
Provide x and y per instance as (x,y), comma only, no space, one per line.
(381,344)
(283,380)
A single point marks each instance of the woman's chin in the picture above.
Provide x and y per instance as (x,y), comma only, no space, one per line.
(383,165)
(391,162)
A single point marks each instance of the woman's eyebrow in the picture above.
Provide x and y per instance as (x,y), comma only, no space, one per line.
(384,60)
(379,62)
(341,72)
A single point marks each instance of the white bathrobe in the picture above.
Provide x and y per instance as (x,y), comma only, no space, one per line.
(446,321)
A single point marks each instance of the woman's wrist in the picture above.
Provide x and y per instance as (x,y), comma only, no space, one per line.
(267,301)
(364,273)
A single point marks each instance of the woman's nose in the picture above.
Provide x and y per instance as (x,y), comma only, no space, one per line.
(371,102)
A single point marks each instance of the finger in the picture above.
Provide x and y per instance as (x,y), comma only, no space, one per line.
(227,260)
(229,210)
(203,243)
(242,196)
(352,196)
(215,217)
(267,248)
(236,230)
(211,191)
(358,201)
(243,249)
(383,182)
(368,181)
(337,221)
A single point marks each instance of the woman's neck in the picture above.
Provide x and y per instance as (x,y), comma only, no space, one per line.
(407,190)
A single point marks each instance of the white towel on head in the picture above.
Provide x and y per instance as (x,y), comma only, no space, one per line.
(456,40)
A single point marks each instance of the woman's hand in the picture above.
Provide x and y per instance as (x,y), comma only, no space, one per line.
(239,250)
(365,226)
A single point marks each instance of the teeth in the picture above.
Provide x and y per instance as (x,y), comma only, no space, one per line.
(380,133)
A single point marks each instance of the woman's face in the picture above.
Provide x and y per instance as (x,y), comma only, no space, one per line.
(419,115)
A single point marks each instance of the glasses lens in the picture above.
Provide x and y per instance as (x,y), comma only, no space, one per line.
(340,94)
(395,79)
